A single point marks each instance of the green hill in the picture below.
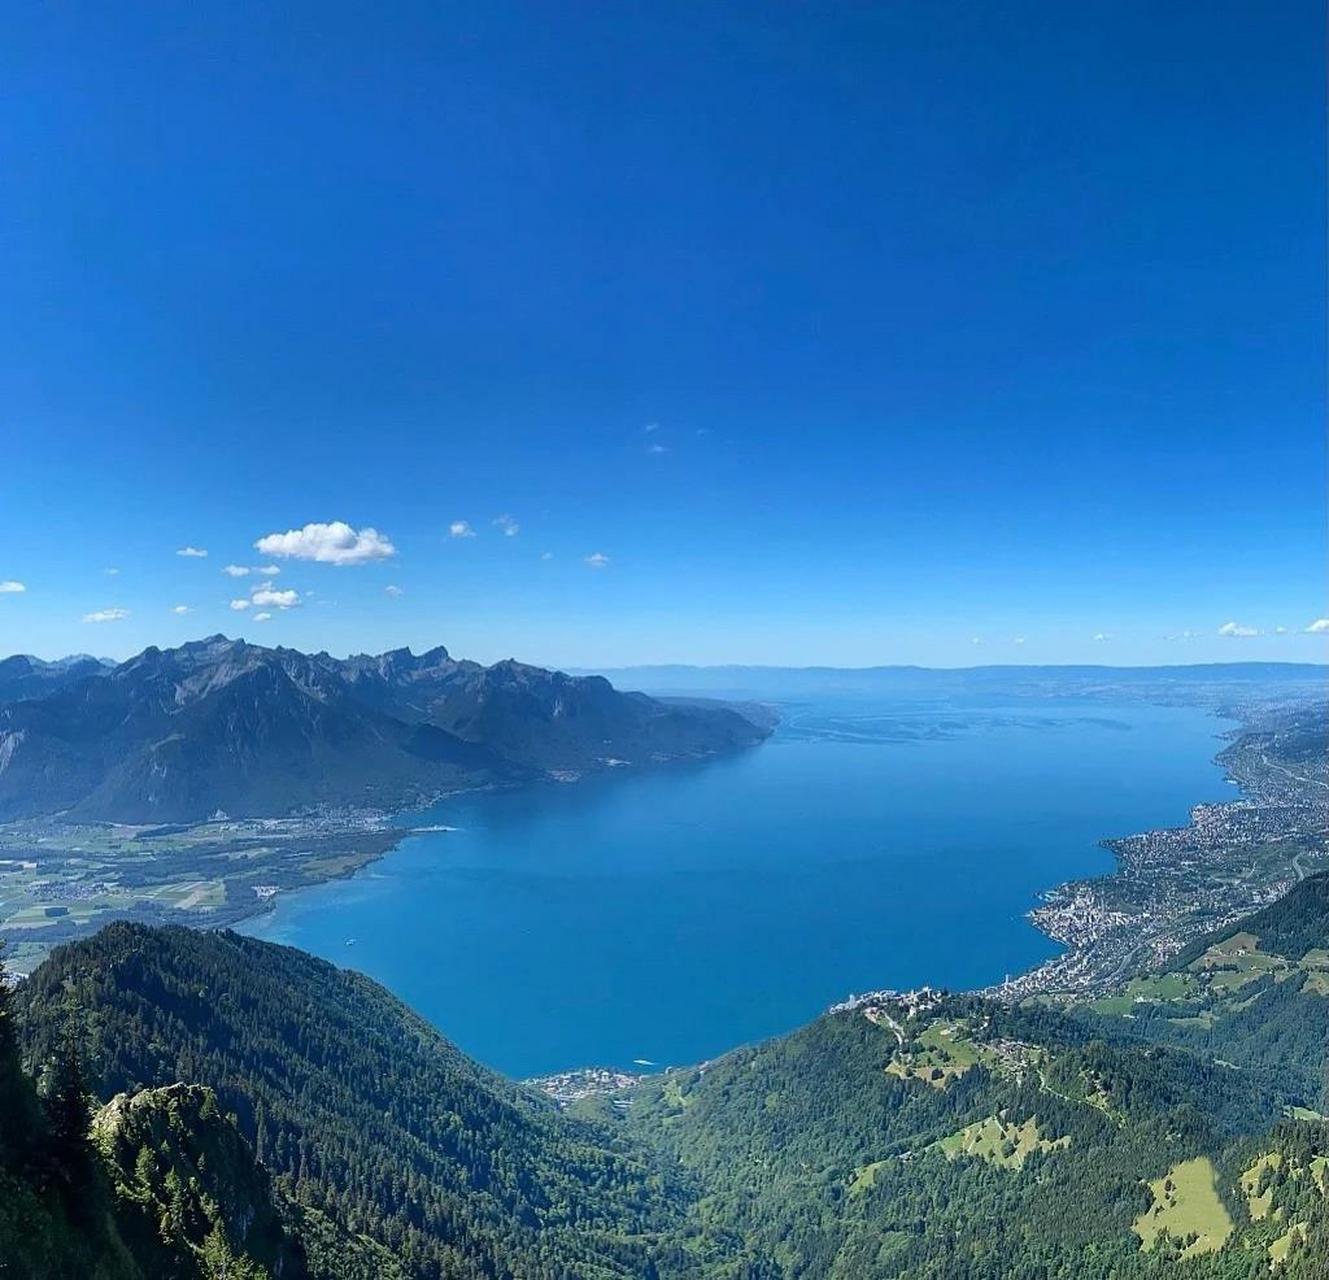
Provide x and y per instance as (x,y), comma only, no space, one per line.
(1172,1129)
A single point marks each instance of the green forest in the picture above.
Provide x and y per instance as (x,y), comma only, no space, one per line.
(186,1104)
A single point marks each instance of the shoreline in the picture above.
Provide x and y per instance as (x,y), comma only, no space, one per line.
(1171,885)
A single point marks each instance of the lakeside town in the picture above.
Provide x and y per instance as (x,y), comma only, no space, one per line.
(1176,884)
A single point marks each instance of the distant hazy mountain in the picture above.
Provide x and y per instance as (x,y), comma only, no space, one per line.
(176,734)
(24,676)
(933,682)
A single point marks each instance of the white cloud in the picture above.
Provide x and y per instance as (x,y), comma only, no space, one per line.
(194,553)
(597,560)
(509,525)
(270,596)
(393,590)
(1184,635)
(1101,636)
(111,573)
(657,449)
(975,639)
(11,588)
(238,605)
(1280,631)
(1236,629)
(106,615)
(1319,627)
(268,570)
(651,426)
(1019,640)
(236,571)
(262,617)
(335,543)
(460,529)
(181,609)
(546,555)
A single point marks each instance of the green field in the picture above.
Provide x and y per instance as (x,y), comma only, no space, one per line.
(994,1140)
(1186,1204)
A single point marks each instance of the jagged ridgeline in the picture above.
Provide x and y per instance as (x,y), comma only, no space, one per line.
(928,1136)
(175,735)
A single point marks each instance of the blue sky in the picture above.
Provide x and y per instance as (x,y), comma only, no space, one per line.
(910,332)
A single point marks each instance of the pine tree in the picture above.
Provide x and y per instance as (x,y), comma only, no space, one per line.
(68,1111)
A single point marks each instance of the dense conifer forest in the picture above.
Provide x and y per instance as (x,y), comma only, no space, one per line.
(179,1103)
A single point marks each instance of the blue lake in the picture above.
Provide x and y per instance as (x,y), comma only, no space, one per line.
(670,915)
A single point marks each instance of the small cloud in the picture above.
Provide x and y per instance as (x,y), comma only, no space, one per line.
(1101,636)
(193,553)
(1319,627)
(111,573)
(1181,635)
(181,609)
(270,596)
(1280,631)
(392,590)
(509,526)
(650,427)
(334,543)
(657,449)
(236,571)
(460,529)
(1236,629)
(597,560)
(1018,640)
(546,555)
(238,605)
(268,570)
(106,615)
(975,639)
(11,588)
(262,617)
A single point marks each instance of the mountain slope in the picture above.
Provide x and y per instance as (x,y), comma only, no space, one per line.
(898,1137)
(175,735)
(365,1114)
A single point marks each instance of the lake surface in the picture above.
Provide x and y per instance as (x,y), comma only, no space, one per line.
(669,915)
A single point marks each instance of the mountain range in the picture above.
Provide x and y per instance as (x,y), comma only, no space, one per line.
(176,735)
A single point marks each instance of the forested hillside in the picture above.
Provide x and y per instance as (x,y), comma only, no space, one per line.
(361,1110)
(1172,1129)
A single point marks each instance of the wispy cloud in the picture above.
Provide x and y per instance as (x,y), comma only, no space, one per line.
(193,553)
(181,609)
(111,573)
(650,427)
(393,590)
(1018,640)
(460,529)
(262,617)
(546,555)
(106,615)
(267,570)
(597,560)
(1101,637)
(333,543)
(236,571)
(657,449)
(508,524)
(239,605)
(1319,627)
(10,587)
(1235,629)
